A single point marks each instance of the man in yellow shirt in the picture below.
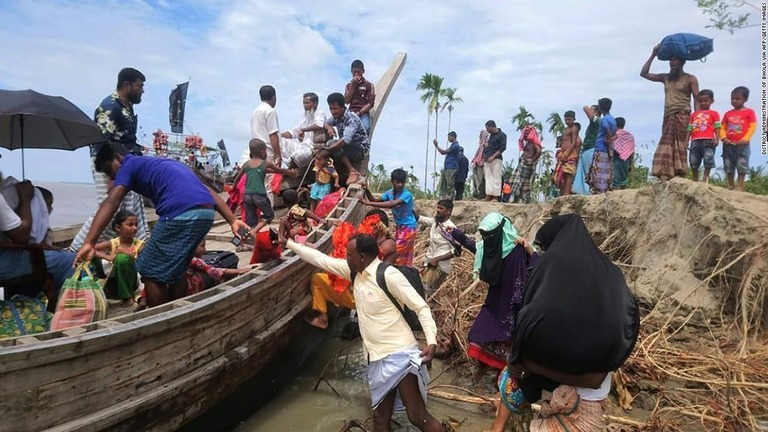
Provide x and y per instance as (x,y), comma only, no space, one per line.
(397,373)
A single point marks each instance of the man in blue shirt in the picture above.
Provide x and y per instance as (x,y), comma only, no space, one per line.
(446,187)
(118,123)
(351,148)
(183,203)
(600,176)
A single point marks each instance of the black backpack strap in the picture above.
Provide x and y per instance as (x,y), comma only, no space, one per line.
(382,282)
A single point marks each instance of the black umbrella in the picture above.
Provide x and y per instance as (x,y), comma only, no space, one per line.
(29,119)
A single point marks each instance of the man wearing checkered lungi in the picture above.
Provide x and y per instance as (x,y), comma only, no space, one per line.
(530,145)
(521,181)
(118,123)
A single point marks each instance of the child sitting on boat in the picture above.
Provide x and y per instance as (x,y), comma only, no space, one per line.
(324,172)
(198,270)
(255,199)
(296,225)
(122,251)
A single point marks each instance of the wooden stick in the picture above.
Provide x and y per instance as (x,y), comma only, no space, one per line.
(471,287)
(460,398)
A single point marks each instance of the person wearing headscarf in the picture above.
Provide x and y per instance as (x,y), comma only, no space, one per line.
(578,323)
(502,260)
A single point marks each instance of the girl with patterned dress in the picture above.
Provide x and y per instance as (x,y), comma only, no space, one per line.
(296,224)
(324,173)
(198,268)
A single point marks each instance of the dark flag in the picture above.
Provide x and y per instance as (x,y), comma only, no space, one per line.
(223,152)
(178,100)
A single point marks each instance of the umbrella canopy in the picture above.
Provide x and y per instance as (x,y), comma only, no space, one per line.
(29,119)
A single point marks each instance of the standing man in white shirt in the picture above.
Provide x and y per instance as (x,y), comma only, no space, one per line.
(265,127)
(299,142)
(437,263)
(397,372)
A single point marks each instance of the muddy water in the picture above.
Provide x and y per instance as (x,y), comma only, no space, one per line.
(298,408)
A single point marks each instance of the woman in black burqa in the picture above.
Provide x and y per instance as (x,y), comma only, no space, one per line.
(579,322)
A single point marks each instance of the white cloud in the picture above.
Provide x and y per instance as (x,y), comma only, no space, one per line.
(549,56)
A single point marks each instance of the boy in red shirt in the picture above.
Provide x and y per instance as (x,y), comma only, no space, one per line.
(738,126)
(360,94)
(704,134)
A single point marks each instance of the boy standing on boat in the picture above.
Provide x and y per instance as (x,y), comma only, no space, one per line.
(360,94)
(118,123)
(185,207)
(397,372)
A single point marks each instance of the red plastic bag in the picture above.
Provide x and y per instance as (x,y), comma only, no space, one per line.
(277,180)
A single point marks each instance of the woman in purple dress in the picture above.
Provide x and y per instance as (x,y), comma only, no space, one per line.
(504,266)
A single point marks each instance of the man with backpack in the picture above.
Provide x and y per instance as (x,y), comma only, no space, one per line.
(388,303)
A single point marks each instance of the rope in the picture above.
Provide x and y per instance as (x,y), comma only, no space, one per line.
(305,175)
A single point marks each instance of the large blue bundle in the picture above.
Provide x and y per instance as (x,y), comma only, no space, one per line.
(686,46)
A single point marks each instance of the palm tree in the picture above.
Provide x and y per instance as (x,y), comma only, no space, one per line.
(432,86)
(537,124)
(523,118)
(556,125)
(450,99)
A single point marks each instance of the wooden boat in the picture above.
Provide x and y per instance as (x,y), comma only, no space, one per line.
(160,368)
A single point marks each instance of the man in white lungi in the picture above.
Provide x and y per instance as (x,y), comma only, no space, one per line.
(494,164)
(397,372)
(298,144)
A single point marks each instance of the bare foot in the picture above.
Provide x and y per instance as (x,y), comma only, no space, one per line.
(320,321)
(354,177)
(142,304)
(127,302)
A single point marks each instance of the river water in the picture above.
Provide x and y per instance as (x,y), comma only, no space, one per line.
(72,202)
(299,408)
(295,406)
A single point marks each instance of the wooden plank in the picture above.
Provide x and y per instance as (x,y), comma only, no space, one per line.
(74,331)
(27,340)
(181,303)
(107,324)
(384,87)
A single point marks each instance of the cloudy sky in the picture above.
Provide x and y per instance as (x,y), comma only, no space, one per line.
(549,55)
